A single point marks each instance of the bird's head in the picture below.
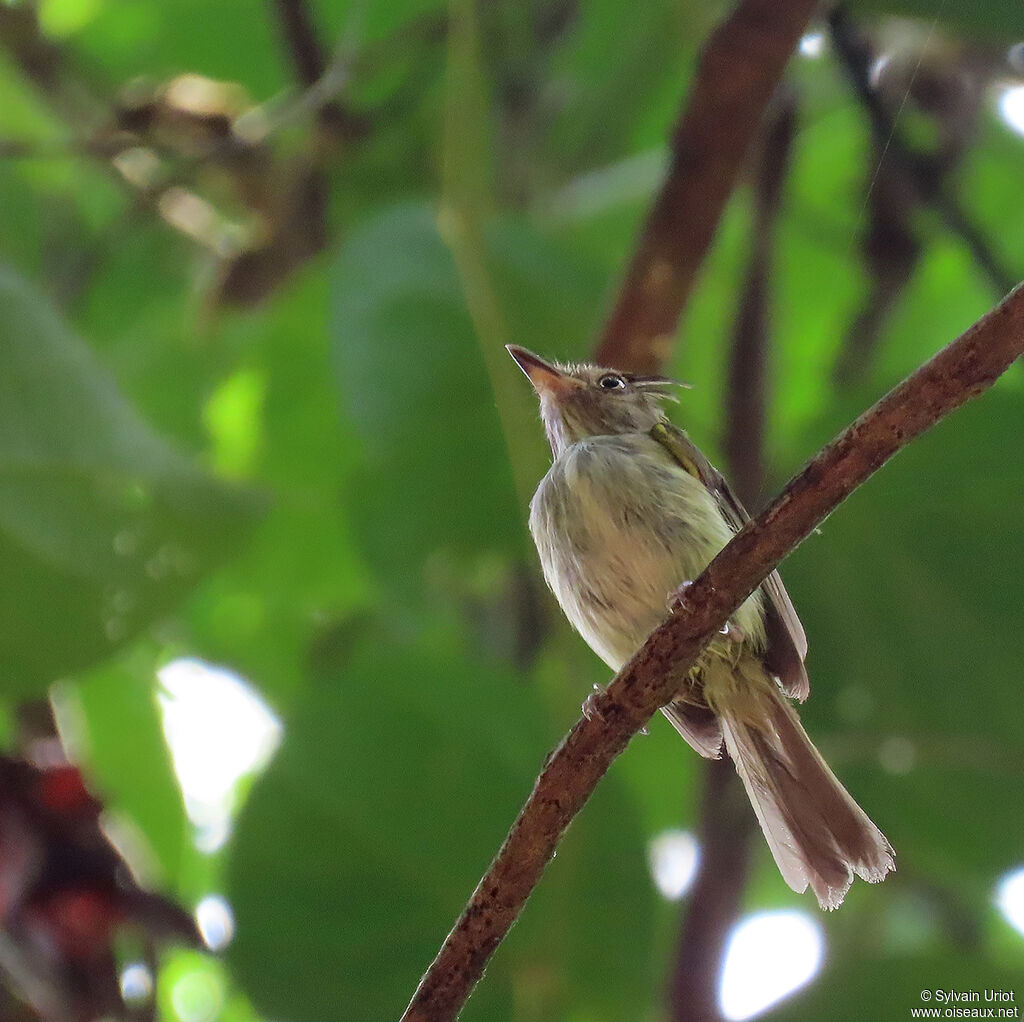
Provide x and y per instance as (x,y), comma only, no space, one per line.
(579,401)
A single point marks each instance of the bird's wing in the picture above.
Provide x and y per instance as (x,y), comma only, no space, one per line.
(787,642)
(699,725)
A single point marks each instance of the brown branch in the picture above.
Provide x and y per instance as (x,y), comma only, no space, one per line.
(746,396)
(891,253)
(46,65)
(300,35)
(313,71)
(739,68)
(727,826)
(653,677)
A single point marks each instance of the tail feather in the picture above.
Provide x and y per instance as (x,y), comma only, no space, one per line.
(816,831)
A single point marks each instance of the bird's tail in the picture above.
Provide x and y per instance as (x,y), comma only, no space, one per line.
(816,832)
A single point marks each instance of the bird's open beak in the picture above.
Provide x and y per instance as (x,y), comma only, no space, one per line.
(545,377)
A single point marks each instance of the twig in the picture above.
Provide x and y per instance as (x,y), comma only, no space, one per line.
(300,35)
(654,676)
(727,826)
(322,81)
(891,252)
(746,396)
(856,59)
(739,68)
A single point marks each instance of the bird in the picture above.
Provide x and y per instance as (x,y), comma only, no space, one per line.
(629,513)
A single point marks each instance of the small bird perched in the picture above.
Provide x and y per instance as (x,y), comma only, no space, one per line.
(631,511)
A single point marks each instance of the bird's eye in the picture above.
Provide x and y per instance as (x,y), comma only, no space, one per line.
(611,382)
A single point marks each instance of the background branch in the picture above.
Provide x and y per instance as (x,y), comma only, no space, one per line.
(739,68)
(300,35)
(922,172)
(891,252)
(727,826)
(959,372)
(746,398)
(321,79)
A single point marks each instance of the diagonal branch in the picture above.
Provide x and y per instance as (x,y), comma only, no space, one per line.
(739,68)
(964,369)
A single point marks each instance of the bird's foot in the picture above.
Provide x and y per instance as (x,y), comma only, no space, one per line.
(733,632)
(591,707)
(677,599)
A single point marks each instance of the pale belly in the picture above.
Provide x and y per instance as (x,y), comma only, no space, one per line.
(618,526)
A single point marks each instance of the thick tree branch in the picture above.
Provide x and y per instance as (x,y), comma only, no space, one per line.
(653,677)
(739,68)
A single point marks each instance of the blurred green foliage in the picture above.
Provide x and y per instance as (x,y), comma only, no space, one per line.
(326,493)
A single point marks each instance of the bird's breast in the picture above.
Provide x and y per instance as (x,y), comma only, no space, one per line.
(618,526)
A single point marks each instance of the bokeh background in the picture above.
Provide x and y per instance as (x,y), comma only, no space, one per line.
(264,469)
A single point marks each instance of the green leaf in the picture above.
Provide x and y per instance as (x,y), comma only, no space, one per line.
(909,596)
(103,525)
(394,788)
(414,383)
(127,757)
(413,380)
(987,19)
(160,41)
(302,572)
(628,69)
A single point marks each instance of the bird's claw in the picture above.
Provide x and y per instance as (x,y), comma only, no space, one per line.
(677,598)
(733,632)
(591,707)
